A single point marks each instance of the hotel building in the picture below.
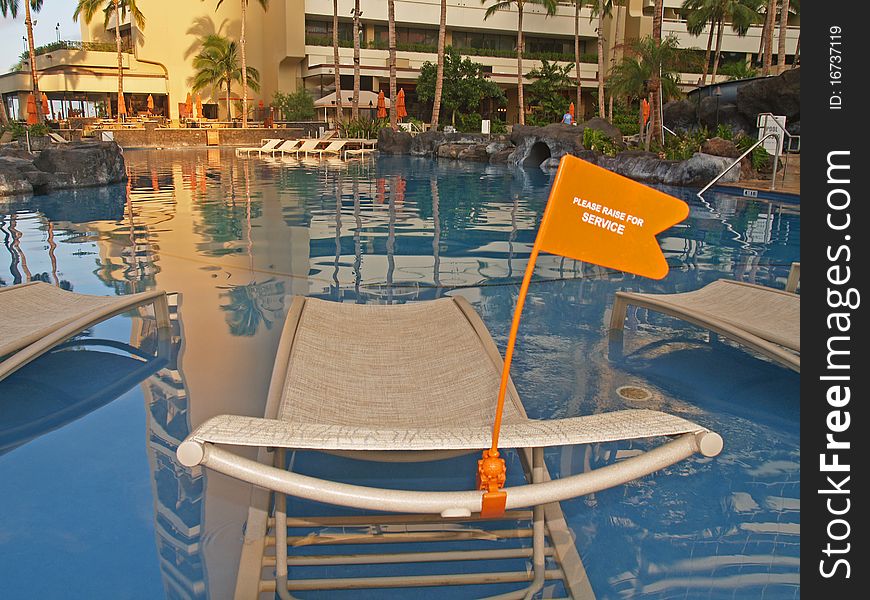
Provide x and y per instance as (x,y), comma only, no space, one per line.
(290,44)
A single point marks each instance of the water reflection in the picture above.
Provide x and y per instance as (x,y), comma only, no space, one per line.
(237,238)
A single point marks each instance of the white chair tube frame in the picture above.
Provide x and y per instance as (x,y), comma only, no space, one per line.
(453,503)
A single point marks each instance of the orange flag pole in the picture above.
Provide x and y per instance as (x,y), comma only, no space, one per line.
(595,216)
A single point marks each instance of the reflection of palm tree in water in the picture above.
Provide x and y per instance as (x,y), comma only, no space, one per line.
(436,232)
(252,304)
(357,244)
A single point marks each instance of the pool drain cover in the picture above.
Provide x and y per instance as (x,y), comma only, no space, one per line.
(632,392)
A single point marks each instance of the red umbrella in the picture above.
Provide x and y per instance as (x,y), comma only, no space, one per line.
(32,119)
(382,105)
(400,105)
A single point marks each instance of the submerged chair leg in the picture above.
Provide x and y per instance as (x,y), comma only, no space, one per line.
(538,539)
(617,317)
(281,533)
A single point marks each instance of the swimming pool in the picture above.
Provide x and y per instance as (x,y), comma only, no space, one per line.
(94,505)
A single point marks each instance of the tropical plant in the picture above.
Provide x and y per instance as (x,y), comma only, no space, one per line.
(724,131)
(298,106)
(244,77)
(361,128)
(465,84)
(439,73)
(738,70)
(547,92)
(600,9)
(391,35)
(499,5)
(9,8)
(741,14)
(217,66)
(594,139)
(86,9)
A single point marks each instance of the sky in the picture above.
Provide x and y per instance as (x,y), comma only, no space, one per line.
(53,12)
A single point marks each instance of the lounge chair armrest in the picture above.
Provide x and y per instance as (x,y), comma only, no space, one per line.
(604,427)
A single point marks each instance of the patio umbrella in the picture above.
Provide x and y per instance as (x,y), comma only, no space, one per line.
(150,103)
(122,108)
(644,107)
(571,111)
(382,106)
(188,106)
(45,110)
(400,105)
(31,110)
(199,106)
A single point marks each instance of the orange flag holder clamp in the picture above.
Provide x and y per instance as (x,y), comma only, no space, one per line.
(595,216)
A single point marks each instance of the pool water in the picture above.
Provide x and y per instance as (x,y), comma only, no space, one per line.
(94,505)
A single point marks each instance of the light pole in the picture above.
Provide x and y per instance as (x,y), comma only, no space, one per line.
(717,91)
(57,30)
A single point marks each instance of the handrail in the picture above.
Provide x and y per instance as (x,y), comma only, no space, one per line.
(669,130)
(741,157)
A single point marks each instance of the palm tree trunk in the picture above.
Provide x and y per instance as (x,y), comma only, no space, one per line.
(655,80)
(354,107)
(30,48)
(601,112)
(229,102)
(391,28)
(707,54)
(120,59)
(719,27)
(242,46)
(783,31)
(439,73)
(577,53)
(761,43)
(521,109)
(797,54)
(768,37)
(336,65)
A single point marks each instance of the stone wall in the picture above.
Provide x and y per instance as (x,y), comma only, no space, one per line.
(175,138)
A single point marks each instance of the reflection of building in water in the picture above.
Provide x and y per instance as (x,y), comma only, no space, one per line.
(178,492)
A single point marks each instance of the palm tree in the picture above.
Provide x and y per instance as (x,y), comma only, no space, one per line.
(336,65)
(700,14)
(621,16)
(655,78)
(439,73)
(783,30)
(767,35)
(550,7)
(354,107)
(391,26)
(643,59)
(10,8)
(577,51)
(217,65)
(741,14)
(242,46)
(119,8)
(600,9)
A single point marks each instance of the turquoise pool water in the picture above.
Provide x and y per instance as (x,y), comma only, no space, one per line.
(94,506)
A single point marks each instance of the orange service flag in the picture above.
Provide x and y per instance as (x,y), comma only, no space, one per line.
(595,216)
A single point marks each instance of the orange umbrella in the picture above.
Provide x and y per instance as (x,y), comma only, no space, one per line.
(644,107)
(400,105)
(188,106)
(45,110)
(32,119)
(122,108)
(571,110)
(382,105)
(199,106)
(150,103)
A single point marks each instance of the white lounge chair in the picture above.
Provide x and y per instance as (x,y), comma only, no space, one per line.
(36,316)
(286,146)
(762,318)
(268,144)
(412,382)
(306,147)
(334,147)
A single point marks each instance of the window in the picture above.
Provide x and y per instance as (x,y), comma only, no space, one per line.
(407,36)
(323,29)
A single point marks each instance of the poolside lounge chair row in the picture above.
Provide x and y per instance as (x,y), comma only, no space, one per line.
(309,146)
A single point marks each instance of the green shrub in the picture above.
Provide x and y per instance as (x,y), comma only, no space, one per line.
(361,128)
(469,123)
(298,106)
(598,141)
(761,158)
(19,129)
(497,127)
(724,131)
(684,146)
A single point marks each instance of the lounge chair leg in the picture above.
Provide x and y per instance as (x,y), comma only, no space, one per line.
(281,533)
(617,316)
(161,312)
(538,539)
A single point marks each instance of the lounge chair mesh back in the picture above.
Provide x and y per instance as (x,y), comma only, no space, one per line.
(388,366)
(32,311)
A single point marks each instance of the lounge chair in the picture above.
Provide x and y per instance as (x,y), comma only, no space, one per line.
(361,152)
(57,138)
(268,144)
(408,383)
(35,317)
(762,318)
(333,148)
(306,147)
(286,146)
